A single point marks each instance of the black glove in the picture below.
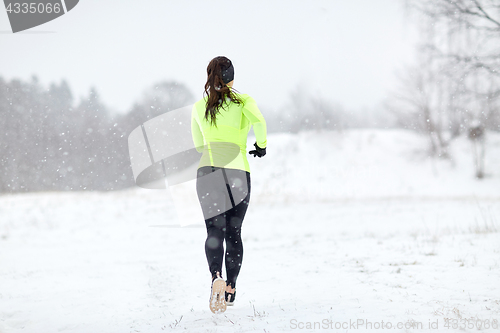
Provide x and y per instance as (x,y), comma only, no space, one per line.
(258,151)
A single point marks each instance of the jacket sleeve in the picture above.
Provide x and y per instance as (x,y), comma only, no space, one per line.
(196,131)
(252,112)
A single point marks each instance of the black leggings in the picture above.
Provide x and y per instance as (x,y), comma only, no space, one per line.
(224,195)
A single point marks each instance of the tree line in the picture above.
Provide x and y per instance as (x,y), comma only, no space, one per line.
(49,141)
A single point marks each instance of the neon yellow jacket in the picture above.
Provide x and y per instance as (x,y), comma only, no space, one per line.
(226,145)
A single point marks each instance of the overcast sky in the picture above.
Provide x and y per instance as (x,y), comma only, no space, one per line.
(346,51)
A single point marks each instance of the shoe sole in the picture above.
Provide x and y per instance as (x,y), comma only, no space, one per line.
(217,299)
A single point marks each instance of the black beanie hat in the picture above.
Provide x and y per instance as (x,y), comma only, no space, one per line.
(228,74)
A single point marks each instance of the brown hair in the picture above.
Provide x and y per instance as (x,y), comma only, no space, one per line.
(216,89)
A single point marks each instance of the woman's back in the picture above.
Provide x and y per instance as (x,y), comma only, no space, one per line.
(224,145)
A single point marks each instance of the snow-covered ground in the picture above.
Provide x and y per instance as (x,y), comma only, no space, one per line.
(343,230)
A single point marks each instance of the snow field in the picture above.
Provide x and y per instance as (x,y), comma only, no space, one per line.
(413,244)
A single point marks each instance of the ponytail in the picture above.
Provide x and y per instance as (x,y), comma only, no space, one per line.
(220,72)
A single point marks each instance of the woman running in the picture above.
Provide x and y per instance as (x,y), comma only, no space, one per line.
(220,124)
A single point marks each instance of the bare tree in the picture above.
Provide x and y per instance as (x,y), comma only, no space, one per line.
(476,136)
(463,37)
(417,106)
